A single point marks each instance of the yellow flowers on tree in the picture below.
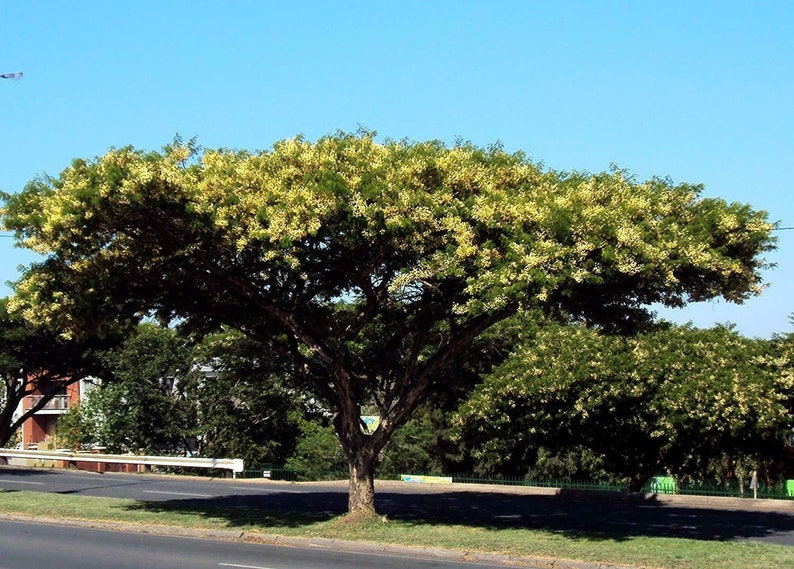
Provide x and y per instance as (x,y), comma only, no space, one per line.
(370,266)
(696,403)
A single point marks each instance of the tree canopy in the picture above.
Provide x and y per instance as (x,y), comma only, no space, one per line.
(370,266)
(677,399)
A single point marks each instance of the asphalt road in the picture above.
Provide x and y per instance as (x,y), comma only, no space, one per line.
(594,515)
(30,545)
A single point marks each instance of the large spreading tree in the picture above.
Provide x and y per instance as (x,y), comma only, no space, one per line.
(369,266)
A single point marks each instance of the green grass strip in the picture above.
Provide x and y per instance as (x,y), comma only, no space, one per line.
(635,551)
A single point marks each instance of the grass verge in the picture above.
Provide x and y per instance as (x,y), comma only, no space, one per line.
(635,551)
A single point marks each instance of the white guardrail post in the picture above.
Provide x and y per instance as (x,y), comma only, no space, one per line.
(233,464)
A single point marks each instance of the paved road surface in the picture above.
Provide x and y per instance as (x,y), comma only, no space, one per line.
(597,515)
(33,546)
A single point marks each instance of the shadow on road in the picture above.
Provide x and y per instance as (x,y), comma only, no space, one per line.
(32,474)
(615,517)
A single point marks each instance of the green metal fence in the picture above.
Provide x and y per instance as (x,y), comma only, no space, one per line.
(658,485)
(270,472)
(519,481)
(783,490)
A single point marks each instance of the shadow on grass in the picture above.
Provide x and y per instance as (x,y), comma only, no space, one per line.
(597,516)
(276,510)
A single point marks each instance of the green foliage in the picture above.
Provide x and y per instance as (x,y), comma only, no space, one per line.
(781,358)
(36,359)
(163,394)
(14,440)
(371,267)
(246,407)
(318,453)
(698,403)
(721,397)
(571,464)
(416,448)
(75,429)
(143,402)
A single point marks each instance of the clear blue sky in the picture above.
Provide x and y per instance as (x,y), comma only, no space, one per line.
(698,91)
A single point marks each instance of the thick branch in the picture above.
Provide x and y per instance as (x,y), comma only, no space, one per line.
(413,387)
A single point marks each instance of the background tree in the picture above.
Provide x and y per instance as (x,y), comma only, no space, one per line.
(370,266)
(417,447)
(723,403)
(143,404)
(781,359)
(318,452)
(163,394)
(78,428)
(247,407)
(680,399)
(34,359)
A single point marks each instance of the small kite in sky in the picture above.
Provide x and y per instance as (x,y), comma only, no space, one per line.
(13,75)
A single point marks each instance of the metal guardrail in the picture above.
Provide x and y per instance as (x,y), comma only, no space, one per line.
(233,464)
(272,472)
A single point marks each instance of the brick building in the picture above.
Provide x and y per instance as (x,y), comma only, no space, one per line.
(43,425)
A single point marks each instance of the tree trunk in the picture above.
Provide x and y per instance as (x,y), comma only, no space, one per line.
(5,436)
(638,479)
(361,498)
(7,419)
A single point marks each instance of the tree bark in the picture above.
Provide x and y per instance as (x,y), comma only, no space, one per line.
(10,404)
(638,479)
(361,498)
(5,436)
